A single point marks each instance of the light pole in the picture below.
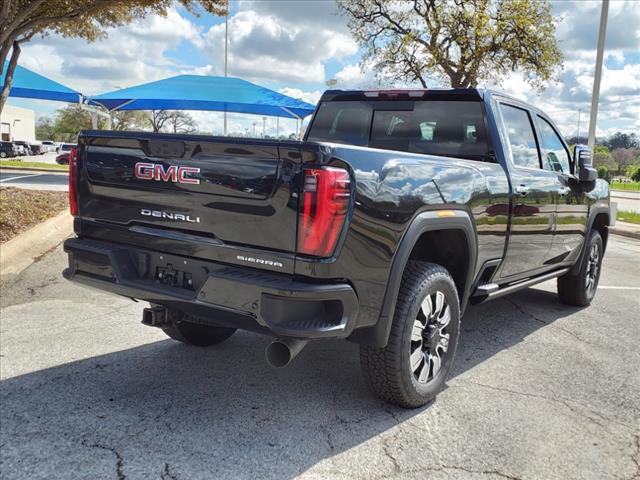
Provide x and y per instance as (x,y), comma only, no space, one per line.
(226,51)
(598,75)
(264,125)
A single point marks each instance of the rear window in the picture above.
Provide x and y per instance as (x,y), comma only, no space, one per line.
(437,127)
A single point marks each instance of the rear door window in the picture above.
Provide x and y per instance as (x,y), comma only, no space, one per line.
(522,140)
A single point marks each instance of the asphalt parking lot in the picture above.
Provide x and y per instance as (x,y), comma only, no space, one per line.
(539,391)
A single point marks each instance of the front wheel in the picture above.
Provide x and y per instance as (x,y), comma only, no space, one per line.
(579,289)
(412,368)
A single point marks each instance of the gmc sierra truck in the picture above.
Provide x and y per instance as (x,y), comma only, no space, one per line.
(397,211)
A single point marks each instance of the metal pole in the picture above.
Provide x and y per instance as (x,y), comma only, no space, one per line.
(264,125)
(598,74)
(226,49)
(277,127)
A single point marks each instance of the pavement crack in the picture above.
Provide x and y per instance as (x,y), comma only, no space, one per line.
(166,473)
(520,309)
(635,457)
(119,461)
(601,421)
(386,449)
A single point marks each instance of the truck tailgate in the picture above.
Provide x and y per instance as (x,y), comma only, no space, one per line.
(233,191)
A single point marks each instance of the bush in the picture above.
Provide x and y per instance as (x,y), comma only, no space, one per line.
(633,172)
(603,172)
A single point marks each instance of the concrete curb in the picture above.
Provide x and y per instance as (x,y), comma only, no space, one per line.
(35,169)
(626,229)
(21,251)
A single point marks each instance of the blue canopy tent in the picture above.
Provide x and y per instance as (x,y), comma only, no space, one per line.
(28,84)
(193,92)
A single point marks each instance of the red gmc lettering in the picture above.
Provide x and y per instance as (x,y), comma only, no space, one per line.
(173,173)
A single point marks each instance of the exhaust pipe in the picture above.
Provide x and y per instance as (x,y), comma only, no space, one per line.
(281,351)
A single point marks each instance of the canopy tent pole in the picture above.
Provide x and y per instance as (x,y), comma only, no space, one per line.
(226,50)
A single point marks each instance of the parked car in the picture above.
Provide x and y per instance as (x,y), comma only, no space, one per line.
(21,149)
(25,145)
(48,146)
(63,158)
(8,149)
(397,211)
(66,147)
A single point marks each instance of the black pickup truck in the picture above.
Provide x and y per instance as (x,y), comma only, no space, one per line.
(397,210)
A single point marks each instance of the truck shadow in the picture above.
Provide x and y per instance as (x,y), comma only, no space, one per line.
(164,410)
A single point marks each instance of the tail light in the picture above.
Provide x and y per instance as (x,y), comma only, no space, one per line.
(323,209)
(73,181)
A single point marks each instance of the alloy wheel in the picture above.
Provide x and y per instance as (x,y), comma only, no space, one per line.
(430,337)
(593,267)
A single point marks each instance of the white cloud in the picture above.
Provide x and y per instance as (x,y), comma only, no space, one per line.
(265,46)
(128,55)
(309,97)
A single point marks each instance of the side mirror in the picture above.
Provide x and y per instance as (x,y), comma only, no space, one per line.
(583,159)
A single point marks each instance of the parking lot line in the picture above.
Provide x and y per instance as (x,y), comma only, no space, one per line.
(618,288)
(19,177)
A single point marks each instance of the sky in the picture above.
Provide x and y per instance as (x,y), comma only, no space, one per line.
(294,47)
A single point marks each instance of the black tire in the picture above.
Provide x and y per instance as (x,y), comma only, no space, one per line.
(181,329)
(580,289)
(389,370)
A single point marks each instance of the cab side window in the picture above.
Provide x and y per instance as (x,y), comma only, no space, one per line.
(522,140)
(554,156)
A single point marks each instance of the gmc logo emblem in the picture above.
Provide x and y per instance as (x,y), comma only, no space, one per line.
(173,173)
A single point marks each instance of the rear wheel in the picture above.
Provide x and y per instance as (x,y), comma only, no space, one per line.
(180,328)
(412,368)
(580,289)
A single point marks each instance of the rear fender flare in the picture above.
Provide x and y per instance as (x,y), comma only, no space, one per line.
(428,221)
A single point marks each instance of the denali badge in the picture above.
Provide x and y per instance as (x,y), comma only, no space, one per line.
(173,173)
(260,261)
(170,215)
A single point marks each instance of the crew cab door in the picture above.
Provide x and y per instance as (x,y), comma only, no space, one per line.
(532,221)
(571,205)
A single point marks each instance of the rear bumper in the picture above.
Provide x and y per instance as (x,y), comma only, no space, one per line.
(219,294)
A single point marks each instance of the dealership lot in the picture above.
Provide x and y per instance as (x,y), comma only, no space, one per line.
(540,390)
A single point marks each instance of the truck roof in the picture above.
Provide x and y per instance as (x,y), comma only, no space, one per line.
(412,93)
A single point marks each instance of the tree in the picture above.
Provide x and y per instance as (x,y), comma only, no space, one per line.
(21,20)
(462,42)
(130,120)
(181,122)
(69,121)
(622,140)
(45,129)
(174,121)
(625,157)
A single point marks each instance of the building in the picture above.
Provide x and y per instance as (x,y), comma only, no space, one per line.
(17,124)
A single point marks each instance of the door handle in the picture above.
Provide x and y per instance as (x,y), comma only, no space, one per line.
(563,190)
(522,190)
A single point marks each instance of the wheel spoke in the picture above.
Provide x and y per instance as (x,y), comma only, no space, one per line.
(444,342)
(416,333)
(423,375)
(444,320)
(439,304)
(436,362)
(427,308)
(416,357)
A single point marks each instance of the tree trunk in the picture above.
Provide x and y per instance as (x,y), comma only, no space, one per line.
(8,79)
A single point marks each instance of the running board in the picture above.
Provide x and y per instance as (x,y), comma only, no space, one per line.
(489,291)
